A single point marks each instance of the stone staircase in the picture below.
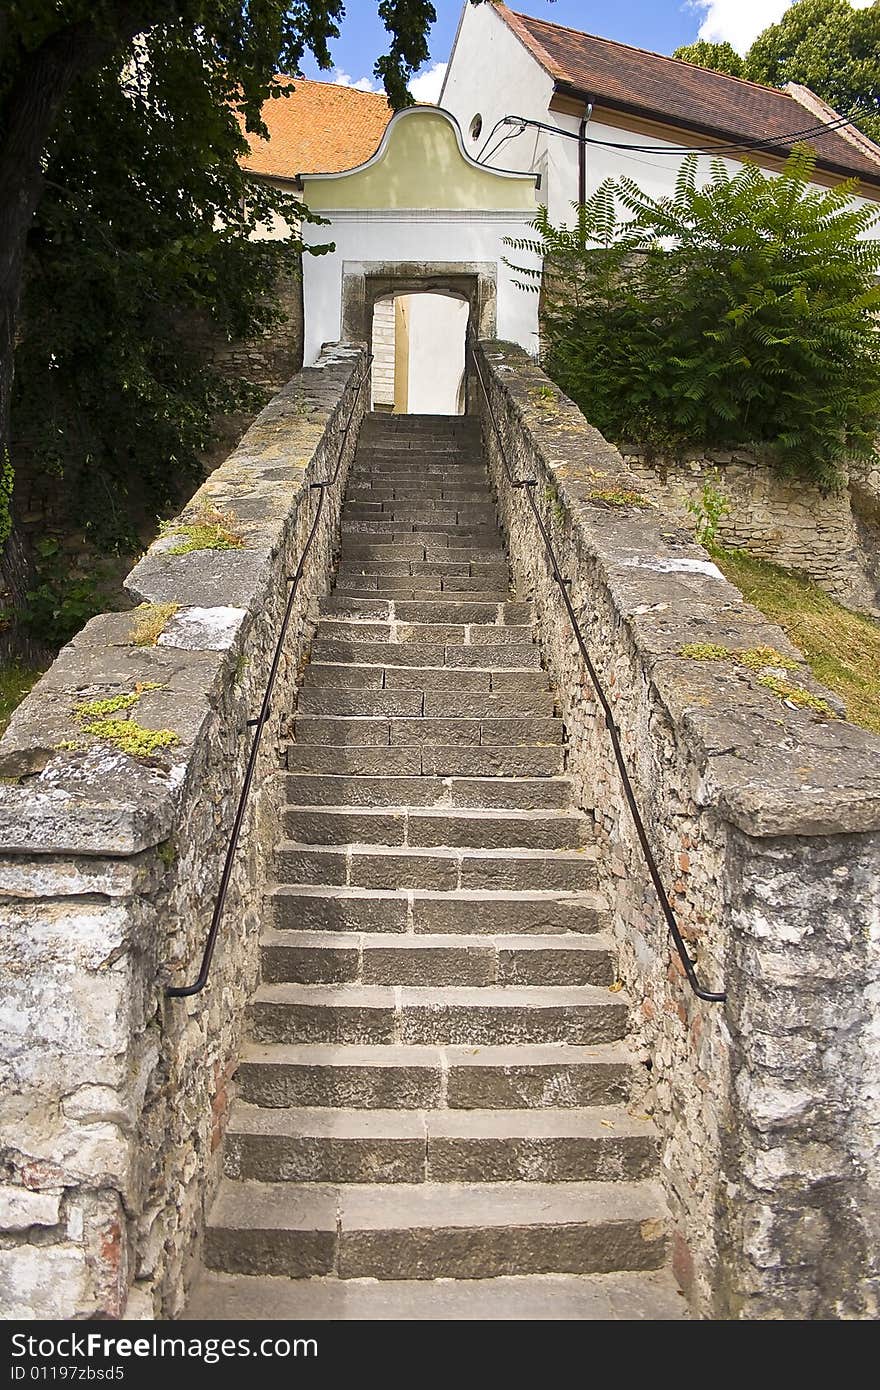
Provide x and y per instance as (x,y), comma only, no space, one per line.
(433,1113)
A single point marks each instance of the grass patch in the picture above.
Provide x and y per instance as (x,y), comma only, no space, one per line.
(842,649)
(15,682)
(151,620)
(210,529)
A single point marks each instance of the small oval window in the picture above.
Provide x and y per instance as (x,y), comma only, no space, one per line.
(476,127)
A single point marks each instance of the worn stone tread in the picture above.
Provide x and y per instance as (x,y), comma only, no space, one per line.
(652,1297)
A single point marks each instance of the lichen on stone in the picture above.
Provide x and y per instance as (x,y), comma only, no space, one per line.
(130,737)
(151,620)
(210,529)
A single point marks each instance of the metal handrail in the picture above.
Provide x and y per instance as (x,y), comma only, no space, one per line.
(527,485)
(259,724)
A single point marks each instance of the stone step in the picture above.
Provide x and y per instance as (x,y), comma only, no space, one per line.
(447,869)
(473,514)
(463,733)
(391,470)
(328,675)
(512,793)
(369,490)
(411,702)
(453,609)
(402,632)
(433,552)
(578,1014)
(435,1230)
(496,656)
(324,1145)
(429,760)
(650,1297)
(371,586)
(493,573)
(442,908)
(386,958)
(405,1077)
(428,828)
(427,530)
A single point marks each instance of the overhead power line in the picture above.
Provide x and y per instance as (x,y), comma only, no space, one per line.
(739,147)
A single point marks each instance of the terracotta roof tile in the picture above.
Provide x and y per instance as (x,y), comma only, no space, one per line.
(682,94)
(319,128)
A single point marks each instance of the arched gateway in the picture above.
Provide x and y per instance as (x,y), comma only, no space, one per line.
(419,216)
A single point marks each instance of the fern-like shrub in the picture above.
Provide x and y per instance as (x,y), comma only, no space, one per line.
(739,313)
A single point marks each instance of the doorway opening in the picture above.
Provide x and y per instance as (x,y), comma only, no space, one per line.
(418,341)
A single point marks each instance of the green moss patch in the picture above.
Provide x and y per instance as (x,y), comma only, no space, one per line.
(131,738)
(96,719)
(617,497)
(151,620)
(210,529)
(757,659)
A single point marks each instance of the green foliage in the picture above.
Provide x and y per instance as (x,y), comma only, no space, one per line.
(740,313)
(62,599)
(130,150)
(825,45)
(140,240)
(15,682)
(720,57)
(708,511)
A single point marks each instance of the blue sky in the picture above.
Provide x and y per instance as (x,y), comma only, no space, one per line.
(660,25)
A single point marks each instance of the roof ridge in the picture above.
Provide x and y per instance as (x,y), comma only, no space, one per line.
(339,86)
(634,48)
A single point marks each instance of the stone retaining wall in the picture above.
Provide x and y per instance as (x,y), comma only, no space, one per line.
(773,518)
(112,1097)
(764,817)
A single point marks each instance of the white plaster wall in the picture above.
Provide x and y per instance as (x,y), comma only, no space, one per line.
(437,327)
(492,72)
(460,238)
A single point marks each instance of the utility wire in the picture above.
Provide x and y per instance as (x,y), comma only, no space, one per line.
(745,146)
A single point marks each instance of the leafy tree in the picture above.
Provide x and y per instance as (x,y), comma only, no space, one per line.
(831,48)
(742,312)
(56,57)
(720,57)
(825,45)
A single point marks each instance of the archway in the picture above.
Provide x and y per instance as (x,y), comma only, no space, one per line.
(418,342)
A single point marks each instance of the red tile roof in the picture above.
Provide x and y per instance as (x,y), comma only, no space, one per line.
(682,94)
(318,128)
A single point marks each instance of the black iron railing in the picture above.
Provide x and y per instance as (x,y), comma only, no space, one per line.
(527,486)
(259,724)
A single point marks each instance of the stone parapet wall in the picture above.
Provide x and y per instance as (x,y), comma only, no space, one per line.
(785,521)
(113,1097)
(765,819)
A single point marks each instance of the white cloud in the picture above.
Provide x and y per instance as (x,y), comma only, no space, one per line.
(741,21)
(426,87)
(363,84)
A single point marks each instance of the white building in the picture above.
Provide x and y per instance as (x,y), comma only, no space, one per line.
(593,109)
